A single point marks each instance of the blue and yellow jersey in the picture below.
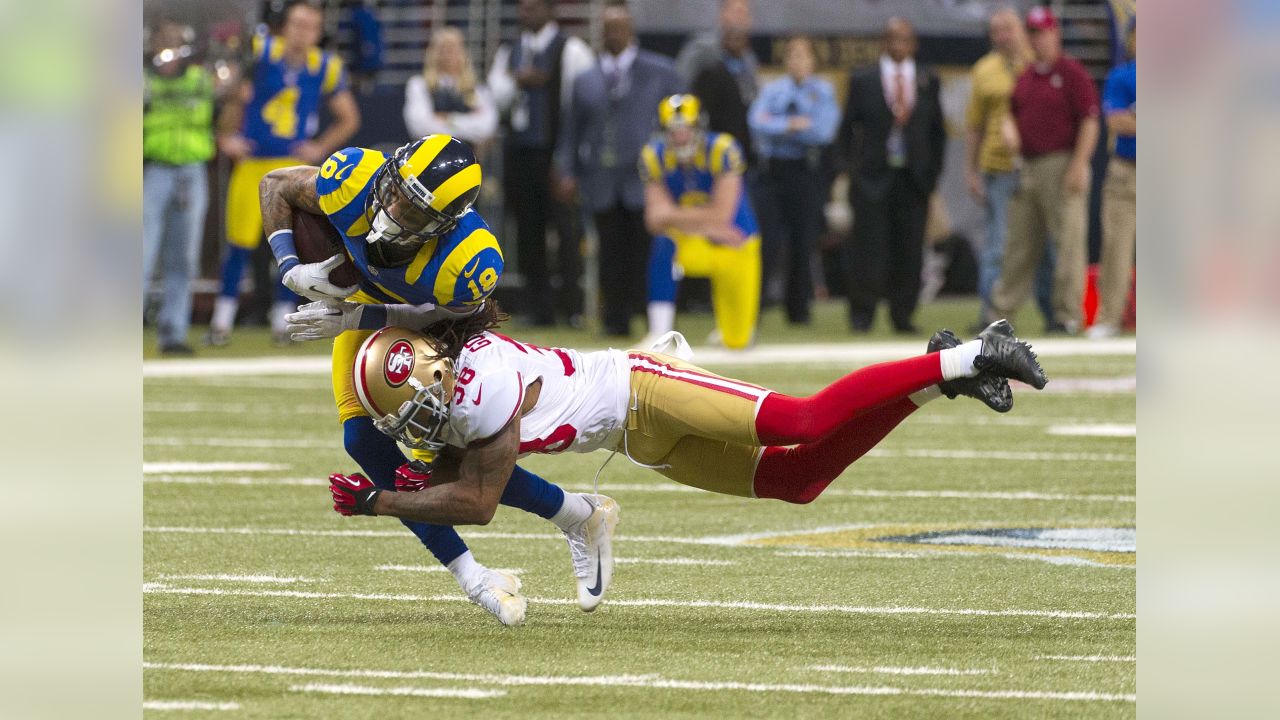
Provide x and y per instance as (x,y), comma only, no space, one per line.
(459,269)
(690,183)
(286,100)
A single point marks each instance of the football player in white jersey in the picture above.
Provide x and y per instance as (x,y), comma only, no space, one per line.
(487,399)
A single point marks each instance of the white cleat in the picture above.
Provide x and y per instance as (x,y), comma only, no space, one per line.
(499,593)
(591,546)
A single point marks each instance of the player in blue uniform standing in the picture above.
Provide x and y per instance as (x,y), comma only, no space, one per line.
(425,256)
(272,123)
(703,225)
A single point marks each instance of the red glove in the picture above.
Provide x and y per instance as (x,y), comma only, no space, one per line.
(352,494)
(413,476)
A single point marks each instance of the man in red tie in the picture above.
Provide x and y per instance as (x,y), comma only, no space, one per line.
(891,139)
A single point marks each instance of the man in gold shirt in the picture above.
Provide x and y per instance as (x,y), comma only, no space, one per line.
(990,169)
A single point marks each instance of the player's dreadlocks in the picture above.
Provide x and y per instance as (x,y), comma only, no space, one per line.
(453,334)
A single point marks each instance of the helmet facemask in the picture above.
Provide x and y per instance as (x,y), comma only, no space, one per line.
(420,422)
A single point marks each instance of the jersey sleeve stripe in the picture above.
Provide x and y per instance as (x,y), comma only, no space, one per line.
(718,150)
(424,154)
(332,73)
(350,186)
(414,271)
(650,158)
(466,179)
(459,258)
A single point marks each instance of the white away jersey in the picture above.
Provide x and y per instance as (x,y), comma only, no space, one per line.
(582,405)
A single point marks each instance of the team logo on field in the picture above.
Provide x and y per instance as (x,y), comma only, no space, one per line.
(399,363)
(1097,546)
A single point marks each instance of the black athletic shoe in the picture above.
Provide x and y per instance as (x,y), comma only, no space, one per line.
(1007,356)
(992,390)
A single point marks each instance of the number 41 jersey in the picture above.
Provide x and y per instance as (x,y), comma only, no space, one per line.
(582,405)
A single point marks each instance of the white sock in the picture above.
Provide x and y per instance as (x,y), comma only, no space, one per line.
(224,313)
(957,362)
(464,568)
(662,317)
(920,397)
(278,311)
(574,510)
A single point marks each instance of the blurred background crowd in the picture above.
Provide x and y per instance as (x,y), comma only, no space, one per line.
(894,150)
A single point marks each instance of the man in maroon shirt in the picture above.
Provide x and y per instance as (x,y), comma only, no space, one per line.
(1053,123)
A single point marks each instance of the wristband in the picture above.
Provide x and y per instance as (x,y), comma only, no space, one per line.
(372,317)
(365,501)
(282,247)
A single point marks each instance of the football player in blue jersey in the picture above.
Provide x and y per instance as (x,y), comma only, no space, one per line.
(425,257)
(272,123)
(703,225)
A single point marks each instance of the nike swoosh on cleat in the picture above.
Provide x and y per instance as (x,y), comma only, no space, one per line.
(595,591)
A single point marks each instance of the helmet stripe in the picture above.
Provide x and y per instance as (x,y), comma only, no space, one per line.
(422,157)
(465,180)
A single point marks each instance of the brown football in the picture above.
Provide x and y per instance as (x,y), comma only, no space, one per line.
(318,240)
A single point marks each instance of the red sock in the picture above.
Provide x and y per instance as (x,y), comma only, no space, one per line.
(787,420)
(800,474)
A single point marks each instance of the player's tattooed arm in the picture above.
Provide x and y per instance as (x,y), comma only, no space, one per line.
(466,485)
(283,190)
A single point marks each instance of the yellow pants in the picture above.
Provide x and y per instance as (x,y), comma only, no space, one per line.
(735,282)
(345,347)
(244,210)
(693,426)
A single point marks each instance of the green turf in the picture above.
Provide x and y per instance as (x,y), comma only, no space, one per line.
(750,647)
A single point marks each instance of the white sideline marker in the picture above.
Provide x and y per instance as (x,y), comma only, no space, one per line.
(650,681)
(161,588)
(885,670)
(1090,658)
(792,354)
(173,468)
(465,693)
(188,705)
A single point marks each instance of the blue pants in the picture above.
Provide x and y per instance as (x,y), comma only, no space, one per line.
(1000,187)
(175,198)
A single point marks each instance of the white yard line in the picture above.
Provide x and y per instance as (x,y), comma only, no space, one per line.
(267,443)
(188,705)
(1115,430)
(437,569)
(884,670)
(884,554)
(1001,455)
(671,561)
(242,578)
(161,588)
(800,353)
(648,682)
(238,408)
(166,468)
(346,689)
(1090,658)
(233,480)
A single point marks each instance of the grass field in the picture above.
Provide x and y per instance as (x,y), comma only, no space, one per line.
(261,602)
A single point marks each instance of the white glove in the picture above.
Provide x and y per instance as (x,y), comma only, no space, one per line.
(323,319)
(312,280)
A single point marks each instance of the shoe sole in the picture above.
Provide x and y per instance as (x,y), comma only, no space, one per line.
(608,508)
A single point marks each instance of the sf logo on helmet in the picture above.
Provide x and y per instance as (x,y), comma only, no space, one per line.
(399,364)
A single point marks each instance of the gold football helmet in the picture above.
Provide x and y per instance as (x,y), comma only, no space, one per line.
(405,383)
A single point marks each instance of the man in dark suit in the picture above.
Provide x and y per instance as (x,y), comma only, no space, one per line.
(892,137)
(612,114)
